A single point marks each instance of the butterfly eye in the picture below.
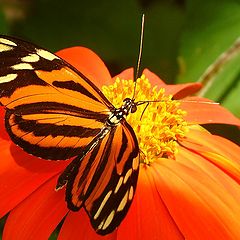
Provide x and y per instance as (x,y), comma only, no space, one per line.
(134,108)
(127,100)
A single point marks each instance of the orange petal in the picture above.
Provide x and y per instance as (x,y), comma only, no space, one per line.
(148,217)
(220,151)
(88,63)
(3,132)
(180,91)
(126,74)
(200,163)
(177,90)
(201,206)
(38,215)
(21,174)
(153,78)
(202,110)
(77,226)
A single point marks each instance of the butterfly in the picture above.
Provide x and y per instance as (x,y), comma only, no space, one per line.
(55,112)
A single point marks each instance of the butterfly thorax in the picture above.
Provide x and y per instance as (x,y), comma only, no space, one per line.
(129,106)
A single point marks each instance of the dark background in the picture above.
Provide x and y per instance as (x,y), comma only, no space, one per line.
(111,28)
(182,37)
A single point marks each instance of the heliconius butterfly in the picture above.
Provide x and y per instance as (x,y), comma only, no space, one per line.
(54,112)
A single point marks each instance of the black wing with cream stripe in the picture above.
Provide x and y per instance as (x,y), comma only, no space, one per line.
(113,202)
(105,178)
(53,111)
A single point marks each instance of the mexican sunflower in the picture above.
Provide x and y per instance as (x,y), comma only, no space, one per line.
(188,185)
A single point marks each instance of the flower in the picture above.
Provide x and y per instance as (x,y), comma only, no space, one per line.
(188,185)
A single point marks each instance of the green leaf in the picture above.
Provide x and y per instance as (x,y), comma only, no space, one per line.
(53,236)
(164,21)
(107,27)
(211,28)
(2,222)
(111,29)
(221,75)
(4,28)
(232,100)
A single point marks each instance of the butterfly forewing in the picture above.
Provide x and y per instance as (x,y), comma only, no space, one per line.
(26,65)
(53,111)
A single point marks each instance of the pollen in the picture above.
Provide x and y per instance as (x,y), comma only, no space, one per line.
(158,123)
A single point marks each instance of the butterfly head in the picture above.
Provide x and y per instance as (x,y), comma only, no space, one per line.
(129,106)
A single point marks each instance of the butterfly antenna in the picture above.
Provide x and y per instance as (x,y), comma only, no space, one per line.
(136,73)
(144,110)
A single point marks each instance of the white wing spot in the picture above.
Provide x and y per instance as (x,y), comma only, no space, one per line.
(22,66)
(4,48)
(31,58)
(45,54)
(130,196)
(135,163)
(123,202)
(119,184)
(128,174)
(100,225)
(8,42)
(102,205)
(8,78)
(108,220)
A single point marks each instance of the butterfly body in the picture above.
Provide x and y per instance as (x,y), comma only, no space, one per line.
(129,106)
(54,112)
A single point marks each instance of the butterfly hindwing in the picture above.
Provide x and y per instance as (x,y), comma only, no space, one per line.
(53,111)
(108,211)
(104,181)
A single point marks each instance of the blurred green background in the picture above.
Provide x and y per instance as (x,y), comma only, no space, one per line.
(183,38)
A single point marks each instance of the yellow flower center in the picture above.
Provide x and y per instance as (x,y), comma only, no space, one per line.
(158,125)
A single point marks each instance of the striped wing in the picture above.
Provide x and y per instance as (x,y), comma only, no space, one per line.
(52,110)
(104,180)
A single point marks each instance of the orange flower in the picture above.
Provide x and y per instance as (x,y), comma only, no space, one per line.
(188,186)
